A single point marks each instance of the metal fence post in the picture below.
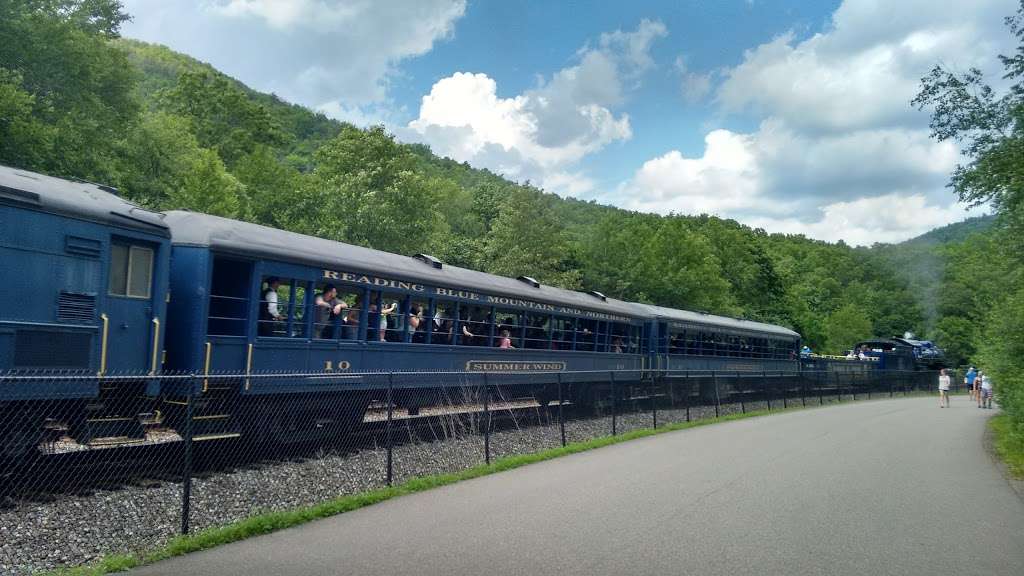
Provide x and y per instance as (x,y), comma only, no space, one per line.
(803,392)
(686,396)
(654,402)
(487,423)
(561,402)
(388,437)
(743,393)
(186,472)
(714,380)
(615,408)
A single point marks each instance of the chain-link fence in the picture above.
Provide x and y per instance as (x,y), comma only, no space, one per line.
(93,466)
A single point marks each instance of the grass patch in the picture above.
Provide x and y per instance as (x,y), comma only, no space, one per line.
(273,521)
(1008,444)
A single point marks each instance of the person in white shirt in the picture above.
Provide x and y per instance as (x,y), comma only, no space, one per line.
(985,392)
(270,314)
(944,389)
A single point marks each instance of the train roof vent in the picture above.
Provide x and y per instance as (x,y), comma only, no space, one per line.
(430,260)
(597,294)
(529,280)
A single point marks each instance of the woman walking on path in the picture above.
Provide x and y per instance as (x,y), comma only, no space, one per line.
(985,392)
(944,389)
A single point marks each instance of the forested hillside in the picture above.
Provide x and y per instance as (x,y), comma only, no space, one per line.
(170,132)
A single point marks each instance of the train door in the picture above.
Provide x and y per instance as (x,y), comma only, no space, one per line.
(129,327)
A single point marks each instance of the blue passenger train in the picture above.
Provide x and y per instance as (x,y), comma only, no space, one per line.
(96,281)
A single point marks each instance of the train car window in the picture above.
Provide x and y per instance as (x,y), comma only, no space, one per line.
(229,298)
(442,325)
(586,332)
(508,325)
(335,313)
(131,271)
(387,316)
(275,297)
(561,333)
(600,336)
(538,331)
(348,320)
(416,321)
(297,310)
(475,326)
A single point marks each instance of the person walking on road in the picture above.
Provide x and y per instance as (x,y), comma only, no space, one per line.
(944,388)
(969,382)
(985,392)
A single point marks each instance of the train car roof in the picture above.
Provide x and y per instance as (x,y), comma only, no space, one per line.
(688,317)
(884,341)
(245,239)
(81,200)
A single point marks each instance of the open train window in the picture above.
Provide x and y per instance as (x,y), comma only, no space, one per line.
(537,332)
(282,308)
(229,298)
(475,326)
(562,331)
(442,325)
(508,324)
(336,312)
(131,270)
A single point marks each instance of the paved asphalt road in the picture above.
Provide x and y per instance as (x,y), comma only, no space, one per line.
(881,487)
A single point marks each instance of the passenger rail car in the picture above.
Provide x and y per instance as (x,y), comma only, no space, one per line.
(84,292)
(247,298)
(684,340)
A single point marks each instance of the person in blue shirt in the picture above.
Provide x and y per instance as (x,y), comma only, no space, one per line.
(969,382)
(805,352)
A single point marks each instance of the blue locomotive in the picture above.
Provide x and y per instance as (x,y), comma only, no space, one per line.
(85,290)
(93,276)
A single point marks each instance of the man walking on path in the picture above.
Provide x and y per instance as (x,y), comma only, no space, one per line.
(944,388)
(985,392)
(969,382)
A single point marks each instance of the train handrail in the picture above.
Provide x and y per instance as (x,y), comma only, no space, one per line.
(156,345)
(103,345)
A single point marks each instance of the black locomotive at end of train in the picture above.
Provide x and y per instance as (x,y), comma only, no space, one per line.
(97,285)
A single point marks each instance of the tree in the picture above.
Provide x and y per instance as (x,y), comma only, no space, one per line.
(365,190)
(158,155)
(526,241)
(58,52)
(24,139)
(208,188)
(222,116)
(271,186)
(845,327)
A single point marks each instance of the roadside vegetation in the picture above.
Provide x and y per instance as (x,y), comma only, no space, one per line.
(1009,445)
(982,292)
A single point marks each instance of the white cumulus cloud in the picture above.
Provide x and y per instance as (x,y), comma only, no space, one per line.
(542,133)
(333,55)
(839,152)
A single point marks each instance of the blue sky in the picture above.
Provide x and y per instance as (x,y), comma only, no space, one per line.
(786,115)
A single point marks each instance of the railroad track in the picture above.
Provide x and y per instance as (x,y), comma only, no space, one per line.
(64,466)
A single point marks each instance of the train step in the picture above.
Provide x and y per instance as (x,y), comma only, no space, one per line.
(208,426)
(114,429)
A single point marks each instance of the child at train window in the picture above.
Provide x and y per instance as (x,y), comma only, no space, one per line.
(506,340)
